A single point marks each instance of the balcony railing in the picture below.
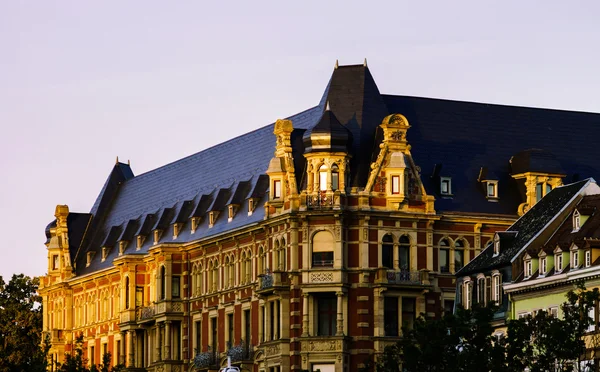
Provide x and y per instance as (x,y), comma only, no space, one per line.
(404,277)
(206,359)
(266,280)
(144,313)
(242,351)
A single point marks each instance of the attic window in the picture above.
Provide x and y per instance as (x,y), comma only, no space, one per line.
(492,189)
(55,262)
(195,221)
(446,185)
(559,262)
(576,221)
(575,259)
(528,268)
(211,219)
(140,242)
(543,266)
(276,189)
(176,229)
(157,234)
(122,245)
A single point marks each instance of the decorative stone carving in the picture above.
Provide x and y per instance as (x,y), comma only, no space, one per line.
(321,277)
(273,350)
(324,345)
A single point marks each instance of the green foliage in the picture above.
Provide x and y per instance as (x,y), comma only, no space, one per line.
(464,341)
(21,326)
(77,363)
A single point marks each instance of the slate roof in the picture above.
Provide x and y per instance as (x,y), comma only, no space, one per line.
(524,229)
(457,138)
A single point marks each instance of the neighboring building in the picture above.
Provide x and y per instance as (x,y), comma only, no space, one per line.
(306,244)
(537,260)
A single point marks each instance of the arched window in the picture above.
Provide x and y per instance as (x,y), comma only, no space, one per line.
(404,253)
(127,293)
(261,260)
(243,275)
(323,171)
(459,254)
(227,270)
(215,276)
(248,264)
(322,249)
(281,259)
(444,256)
(163,283)
(231,272)
(387,251)
(335,177)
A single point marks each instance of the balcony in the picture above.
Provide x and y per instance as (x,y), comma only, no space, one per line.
(240,353)
(324,276)
(271,281)
(206,360)
(57,335)
(403,277)
(147,313)
(324,200)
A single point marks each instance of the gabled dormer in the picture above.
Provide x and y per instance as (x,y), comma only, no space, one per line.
(545,262)
(162,224)
(503,240)
(530,265)
(489,183)
(561,259)
(218,205)
(145,229)
(575,256)
(200,211)
(182,215)
(231,211)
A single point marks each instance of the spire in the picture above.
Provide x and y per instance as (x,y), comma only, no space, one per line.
(365,62)
(117,161)
(336,65)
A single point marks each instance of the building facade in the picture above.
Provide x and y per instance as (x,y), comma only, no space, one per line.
(307,244)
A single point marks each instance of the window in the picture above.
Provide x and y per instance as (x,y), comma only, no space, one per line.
(198,339)
(542,189)
(459,294)
(326,315)
(497,295)
(448,307)
(322,249)
(588,258)
(211,219)
(390,316)
(250,206)
(214,334)
(592,316)
(230,212)
(127,293)
(575,259)
(175,287)
(492,189)
(459,255)
(395,184)
(163,283)
(559,262)
(335,177)
(262,261)
(55,262)
(576,221)
(92,356)
(404,253)
(444,256)
(139,296)
(247,327)
(554,312)
(468,294)
(481,291)
(387,255)
(323,177)
(215,276)
(409,312)
(276,189)
(230,338)
(543,266)
(445,185)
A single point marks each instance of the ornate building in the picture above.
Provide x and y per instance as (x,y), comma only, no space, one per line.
(306,244)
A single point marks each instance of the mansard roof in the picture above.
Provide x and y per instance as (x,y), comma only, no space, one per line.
(524,229)
(456,138)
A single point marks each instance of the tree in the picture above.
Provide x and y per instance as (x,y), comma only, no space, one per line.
(78,363)
(464,341)
(21,326)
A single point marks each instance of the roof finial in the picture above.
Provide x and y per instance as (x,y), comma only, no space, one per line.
(117,162)
(365,62)
(128,162)
(327,107)
(336,65)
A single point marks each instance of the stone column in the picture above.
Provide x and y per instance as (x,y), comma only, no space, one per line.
(276,309)
(305,331)
(131,352)
(157,342)
(122,348)
(167,340)
(340,314)
(267,321)
(261,323)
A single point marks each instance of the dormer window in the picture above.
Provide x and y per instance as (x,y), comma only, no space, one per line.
(122,246)
(90,257)
(250,206)
(176,229)
(195,222)
(230,213)
(588,258)
(559,262)
(528,268)
(140,242)
(212,217)
(395,184)
(445,185)
(276,189)
(492,189)
(575,259)
(576,221)
(105,252)
(157,234)
(543,266)
(541,189)
(496,245)
(55,262)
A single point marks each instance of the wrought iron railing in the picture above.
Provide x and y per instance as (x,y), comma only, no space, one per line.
(266,280)
(147,312)
(240,352)
(320,199)
(403,277)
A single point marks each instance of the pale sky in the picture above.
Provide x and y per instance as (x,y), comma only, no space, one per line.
(82,82)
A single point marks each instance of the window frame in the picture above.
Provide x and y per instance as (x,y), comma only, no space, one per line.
(277,189)
(494,188)
(446,186)
(395,185)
